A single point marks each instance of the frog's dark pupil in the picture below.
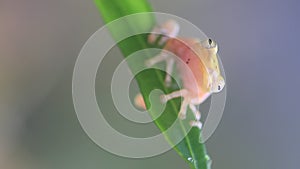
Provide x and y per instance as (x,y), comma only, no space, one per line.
(219,87)
(209,41)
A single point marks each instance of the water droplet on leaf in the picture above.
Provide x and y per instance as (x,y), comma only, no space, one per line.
(190,159)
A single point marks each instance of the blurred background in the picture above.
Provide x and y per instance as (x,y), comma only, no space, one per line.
(40,41)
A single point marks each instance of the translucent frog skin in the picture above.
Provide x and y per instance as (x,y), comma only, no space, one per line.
(197,66)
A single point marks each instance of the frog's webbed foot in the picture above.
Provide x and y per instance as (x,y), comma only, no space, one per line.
(195,123)
(183,108)
(169,29)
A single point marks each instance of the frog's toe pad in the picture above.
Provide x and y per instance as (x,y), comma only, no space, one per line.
(196,124)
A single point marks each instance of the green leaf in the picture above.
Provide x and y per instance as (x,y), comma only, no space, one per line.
(190,149)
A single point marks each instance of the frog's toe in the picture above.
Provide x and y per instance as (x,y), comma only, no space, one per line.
(194,123)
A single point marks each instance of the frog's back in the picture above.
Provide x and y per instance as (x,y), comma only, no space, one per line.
(191,68)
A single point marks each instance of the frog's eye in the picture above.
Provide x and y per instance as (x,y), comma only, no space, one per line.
(221,84)
(209,44)
(210,41)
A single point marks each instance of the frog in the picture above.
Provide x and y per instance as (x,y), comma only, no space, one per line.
(197,65)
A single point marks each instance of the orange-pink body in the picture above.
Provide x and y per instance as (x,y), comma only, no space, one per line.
(194,79)
(197,66)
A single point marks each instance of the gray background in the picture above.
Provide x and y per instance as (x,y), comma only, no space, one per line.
(40,40)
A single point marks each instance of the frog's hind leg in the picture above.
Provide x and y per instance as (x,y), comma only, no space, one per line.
(197,114)
(183,107)
(180,93)
(139,101)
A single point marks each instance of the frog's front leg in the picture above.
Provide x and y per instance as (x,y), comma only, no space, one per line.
(163,56)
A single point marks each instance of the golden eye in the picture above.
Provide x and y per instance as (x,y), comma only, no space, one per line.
(209,43)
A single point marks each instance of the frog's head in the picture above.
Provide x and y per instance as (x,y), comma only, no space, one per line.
(208,55)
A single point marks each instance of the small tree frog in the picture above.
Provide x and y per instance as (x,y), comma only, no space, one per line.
(203,77)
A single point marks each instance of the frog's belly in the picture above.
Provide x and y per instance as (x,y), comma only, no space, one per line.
(194,81)
(189,79)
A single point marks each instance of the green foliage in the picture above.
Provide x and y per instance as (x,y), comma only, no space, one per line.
(189,148)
